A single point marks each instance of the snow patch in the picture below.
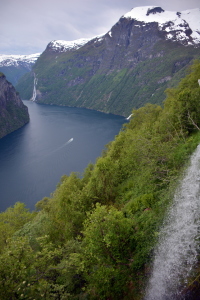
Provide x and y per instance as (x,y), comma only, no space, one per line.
(15,60)
(63,46)
(180,26)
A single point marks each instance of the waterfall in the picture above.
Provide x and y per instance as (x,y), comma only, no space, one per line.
(34,89)
(177,250)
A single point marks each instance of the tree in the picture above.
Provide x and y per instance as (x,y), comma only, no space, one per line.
(107,249)
(29,274)
(12,220)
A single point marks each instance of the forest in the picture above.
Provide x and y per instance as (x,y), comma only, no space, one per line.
(94,238)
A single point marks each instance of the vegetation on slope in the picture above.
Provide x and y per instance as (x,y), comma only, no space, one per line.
(94,238)
(13,73)
(85,79)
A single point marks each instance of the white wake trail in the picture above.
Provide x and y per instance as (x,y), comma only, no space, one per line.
(68,142)
(52,152)
(65,144)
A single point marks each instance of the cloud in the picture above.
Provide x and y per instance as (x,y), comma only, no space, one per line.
(28,26)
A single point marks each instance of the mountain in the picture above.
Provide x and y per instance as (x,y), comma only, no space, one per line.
(65,46)
(13,113)
(15,66)
(145,52)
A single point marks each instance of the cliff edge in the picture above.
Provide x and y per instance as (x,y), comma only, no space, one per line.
(13,113)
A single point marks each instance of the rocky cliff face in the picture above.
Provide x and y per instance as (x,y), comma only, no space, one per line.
(145,52)
(13,113)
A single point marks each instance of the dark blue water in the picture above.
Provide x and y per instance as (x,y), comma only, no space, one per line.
(33,158)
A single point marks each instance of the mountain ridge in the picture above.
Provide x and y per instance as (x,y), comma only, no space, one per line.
(144,14)
(133,63)
(186,24)
(15,66)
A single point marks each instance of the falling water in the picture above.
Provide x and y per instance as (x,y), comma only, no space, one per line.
(34,89)
(176,254)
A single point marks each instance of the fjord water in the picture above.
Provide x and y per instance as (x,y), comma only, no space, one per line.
(178,247)
(56,141)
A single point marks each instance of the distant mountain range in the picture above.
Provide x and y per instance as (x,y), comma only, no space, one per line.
(145,52)
(15,66)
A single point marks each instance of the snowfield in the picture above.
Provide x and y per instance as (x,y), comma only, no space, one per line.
(182,26)
(15,60)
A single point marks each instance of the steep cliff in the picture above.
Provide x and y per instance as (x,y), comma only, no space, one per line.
(13,113)
(145,52)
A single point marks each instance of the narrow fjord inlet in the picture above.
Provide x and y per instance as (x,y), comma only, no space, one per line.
(177,251)
(57,141)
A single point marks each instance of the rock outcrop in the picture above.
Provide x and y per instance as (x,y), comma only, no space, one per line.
(13,113)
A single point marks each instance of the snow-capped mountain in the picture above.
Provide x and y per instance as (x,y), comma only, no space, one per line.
(15,66)
(145,52)
(64,46)
(183,27)
(17,60)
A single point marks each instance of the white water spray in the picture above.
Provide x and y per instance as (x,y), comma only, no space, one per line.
(34,89)
(176,254)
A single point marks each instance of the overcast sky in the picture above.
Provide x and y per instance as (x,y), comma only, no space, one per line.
(27,26)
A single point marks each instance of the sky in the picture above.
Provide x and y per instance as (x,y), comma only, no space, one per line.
(27,26)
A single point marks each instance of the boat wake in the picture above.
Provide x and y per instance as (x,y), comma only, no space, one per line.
(42,157)
(68,142)
(65,144)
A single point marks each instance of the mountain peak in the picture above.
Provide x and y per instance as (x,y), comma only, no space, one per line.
(63,46)
(182,26)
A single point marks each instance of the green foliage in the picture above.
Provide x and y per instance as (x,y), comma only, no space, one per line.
(25,90)
(13,219)
(107,248)
(94,237)
(28,274)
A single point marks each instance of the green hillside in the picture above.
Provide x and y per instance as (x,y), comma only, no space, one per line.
(13,73)
(94,237)
(88,78)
